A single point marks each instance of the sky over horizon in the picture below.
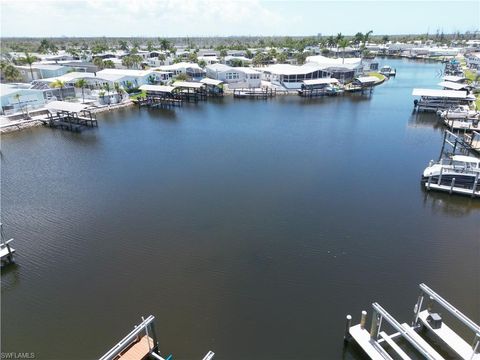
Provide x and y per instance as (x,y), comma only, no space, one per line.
(180,18)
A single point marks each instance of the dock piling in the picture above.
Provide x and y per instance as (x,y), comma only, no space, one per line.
(363,319)
(452,185)
(348,324)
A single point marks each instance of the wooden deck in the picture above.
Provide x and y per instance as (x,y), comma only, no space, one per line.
(450,338)
(138,350)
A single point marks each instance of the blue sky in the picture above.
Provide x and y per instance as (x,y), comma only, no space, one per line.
(163,18)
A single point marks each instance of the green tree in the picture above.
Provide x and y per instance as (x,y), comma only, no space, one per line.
(29,59)
(98,62)
(81,84)
(301,57)
(149,45)
(59,84)
(9,73)
(108,64)
(202,63)
(165,44)
(343,44)
(281,58)
(118,90)
(107,89)
(123,45)
(181,77)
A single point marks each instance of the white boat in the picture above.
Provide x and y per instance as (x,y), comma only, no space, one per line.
(464,169)
(460,112)
(388,71)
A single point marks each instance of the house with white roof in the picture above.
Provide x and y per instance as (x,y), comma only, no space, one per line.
(235,77)
(292,76)
(41,71)
(19,97)
(193,70)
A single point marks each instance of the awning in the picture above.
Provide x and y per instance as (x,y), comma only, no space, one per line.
(367,79)
(209,81)
(65,106)
(453,78)
(157,88)
(187,84)
(321,81)
(452,94)
(452,85)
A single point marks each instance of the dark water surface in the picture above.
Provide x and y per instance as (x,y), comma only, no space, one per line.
(250,228)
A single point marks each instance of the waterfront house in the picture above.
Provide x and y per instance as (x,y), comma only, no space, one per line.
(19,97)
(235,77)
(192,70)
(291,76)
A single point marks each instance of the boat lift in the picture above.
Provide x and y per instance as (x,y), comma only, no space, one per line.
(141,343)
(376,342)
(6,251)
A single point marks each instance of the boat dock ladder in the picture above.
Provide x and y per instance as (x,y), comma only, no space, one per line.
(375,342)
(141,343)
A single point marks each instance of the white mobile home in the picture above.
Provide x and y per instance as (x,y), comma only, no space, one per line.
(235,77)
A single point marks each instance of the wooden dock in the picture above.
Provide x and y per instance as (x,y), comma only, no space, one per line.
(378,345)
(255,93)
(462,125)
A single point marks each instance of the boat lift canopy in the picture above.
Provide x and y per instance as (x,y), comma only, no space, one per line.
(452,85)
(445,94)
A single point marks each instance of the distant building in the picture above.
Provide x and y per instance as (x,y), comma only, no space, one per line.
(41,71)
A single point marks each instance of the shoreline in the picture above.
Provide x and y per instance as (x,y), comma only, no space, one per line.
(19,125)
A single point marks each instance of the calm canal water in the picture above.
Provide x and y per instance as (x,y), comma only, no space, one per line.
(250,228)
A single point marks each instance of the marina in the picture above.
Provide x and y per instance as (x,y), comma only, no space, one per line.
(233,222)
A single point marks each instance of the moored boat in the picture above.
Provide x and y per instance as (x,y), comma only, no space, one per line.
(457,172)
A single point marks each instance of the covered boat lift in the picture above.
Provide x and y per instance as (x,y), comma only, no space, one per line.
(319,87)
(191,91)
(214,87)
(434,100)
(159,96)
(449,85)
(69,116)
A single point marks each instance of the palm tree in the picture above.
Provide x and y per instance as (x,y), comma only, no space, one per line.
(17,97)
(81,83)
(118,90)
(98,62)
(366,37)
(338,38)
(107,89)
(59,84)
(29,59)
(343,43)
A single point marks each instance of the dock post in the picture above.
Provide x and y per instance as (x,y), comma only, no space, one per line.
(376,320)
(363,319)
(476,344)
(452,185)
(475,185)
(429,182)
(346,336)
(440,176)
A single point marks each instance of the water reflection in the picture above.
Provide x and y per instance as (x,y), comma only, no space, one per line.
(451,205)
